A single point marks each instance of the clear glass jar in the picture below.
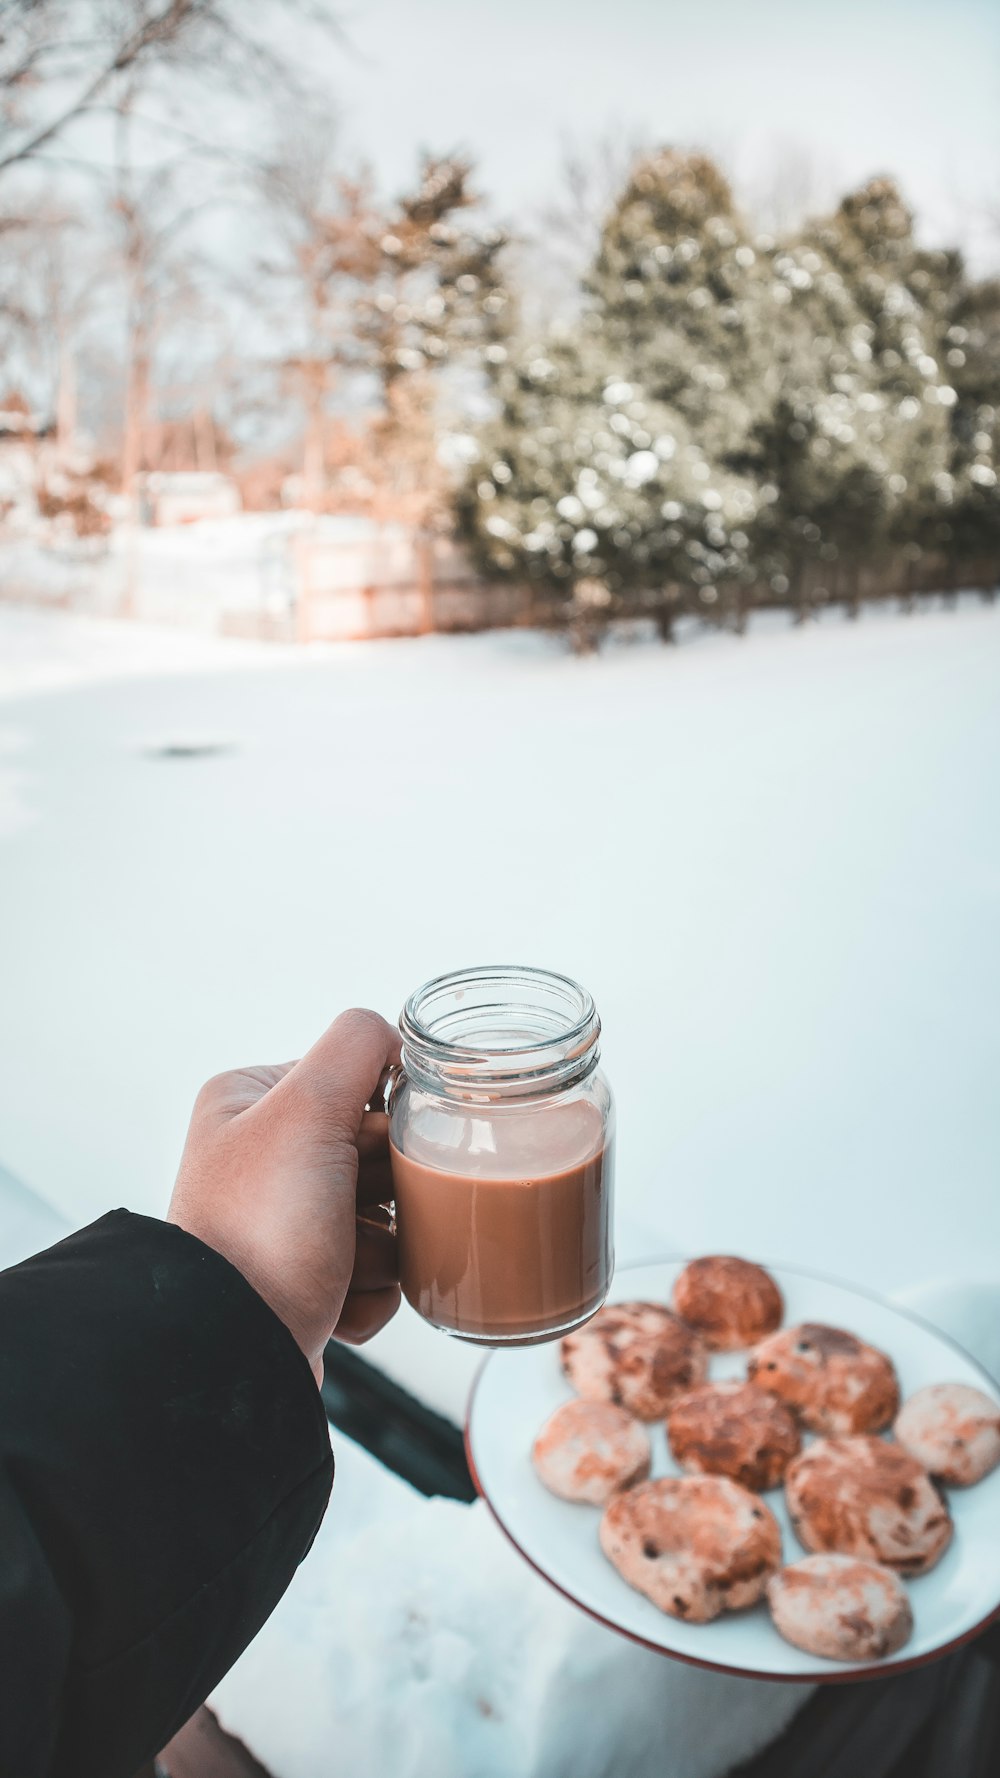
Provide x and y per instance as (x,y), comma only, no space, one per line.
(501,1130)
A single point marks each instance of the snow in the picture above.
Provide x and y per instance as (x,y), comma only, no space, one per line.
(775,862)
(204,576)
(50,651)
(424,1645)
(27,1223)
(196,575)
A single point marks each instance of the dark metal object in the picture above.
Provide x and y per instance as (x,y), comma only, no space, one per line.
(407,1437)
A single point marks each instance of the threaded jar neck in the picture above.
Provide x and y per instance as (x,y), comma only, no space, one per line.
(500,1031)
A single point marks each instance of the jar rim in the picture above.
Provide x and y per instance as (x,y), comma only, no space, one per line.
(551,1035)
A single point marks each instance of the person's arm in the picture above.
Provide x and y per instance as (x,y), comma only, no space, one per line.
(164,1457)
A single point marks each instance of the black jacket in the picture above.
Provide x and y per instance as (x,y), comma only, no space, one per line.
(164,1467)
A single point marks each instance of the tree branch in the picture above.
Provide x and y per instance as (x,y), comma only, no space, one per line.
(164,27)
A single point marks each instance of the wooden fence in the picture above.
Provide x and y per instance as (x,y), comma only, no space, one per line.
(394,582)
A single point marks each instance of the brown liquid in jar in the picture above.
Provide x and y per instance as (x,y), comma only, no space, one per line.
(511,1242)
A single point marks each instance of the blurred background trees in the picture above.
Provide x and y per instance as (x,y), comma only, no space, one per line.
(690,415)
(735,419)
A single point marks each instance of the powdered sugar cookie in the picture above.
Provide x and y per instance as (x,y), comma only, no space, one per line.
(840,1608)
(736,1430)
(953,1430)
(695,1545)
(640,1356)
(588,1450)
(732,1302)
(834,1381)
(864,1497)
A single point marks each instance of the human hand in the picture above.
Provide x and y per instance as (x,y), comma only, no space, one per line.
(278,1168)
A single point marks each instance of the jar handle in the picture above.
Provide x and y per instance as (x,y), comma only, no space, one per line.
(385,1087)
(381,1100)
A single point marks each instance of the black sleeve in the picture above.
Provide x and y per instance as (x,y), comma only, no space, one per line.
(164,1466)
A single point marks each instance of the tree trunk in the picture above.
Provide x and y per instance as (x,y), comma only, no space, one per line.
(853,596)
(314,453)
(66,400)
(584,635)
(205,455)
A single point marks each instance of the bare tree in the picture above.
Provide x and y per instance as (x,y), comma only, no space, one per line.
(326,230)
(564,239)
(155,259)
(63,59)
(57,273)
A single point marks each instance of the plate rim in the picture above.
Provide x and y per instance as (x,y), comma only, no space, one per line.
(840,1675)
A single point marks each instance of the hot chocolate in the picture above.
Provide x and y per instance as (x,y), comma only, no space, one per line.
(504,1219)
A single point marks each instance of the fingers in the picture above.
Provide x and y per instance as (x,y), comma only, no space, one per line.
(340,1073)
(365,1315)
(373,1135)
(226,1095)
(375,1264)
(373,1297)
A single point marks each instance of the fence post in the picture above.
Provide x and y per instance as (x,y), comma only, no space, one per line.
(424,551)
(303,554)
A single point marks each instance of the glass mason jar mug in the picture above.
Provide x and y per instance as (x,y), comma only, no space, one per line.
(501,1132)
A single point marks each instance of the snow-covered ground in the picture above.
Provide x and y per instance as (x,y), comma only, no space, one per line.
(199,576)
(775,862)
(777,865)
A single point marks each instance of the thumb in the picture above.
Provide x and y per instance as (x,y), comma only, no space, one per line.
(338,1076)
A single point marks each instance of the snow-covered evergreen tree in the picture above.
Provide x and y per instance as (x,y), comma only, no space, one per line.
(599,495)
(733,419)
(903,298)
(605,476)
(971,349)
(679,294)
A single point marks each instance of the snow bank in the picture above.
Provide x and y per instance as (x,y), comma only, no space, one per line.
(414,1640)
(43,650)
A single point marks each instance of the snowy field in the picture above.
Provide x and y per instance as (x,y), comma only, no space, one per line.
(775,862)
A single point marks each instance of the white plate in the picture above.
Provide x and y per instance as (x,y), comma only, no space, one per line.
(516,1391)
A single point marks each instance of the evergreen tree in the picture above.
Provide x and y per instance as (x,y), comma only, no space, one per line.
(903,297)
(679,294)
(436,284)
(435,298)
(598,495)
(733,419)
(605,478)
(972,355)
(819,450)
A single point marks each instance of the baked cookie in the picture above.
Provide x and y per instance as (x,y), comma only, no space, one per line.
(731,1302)
(835,1383)
(588,1450)
(840,1608)
(954,1431)
(695,1545)
(864,1497)
(736,1430)
(638,1355)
